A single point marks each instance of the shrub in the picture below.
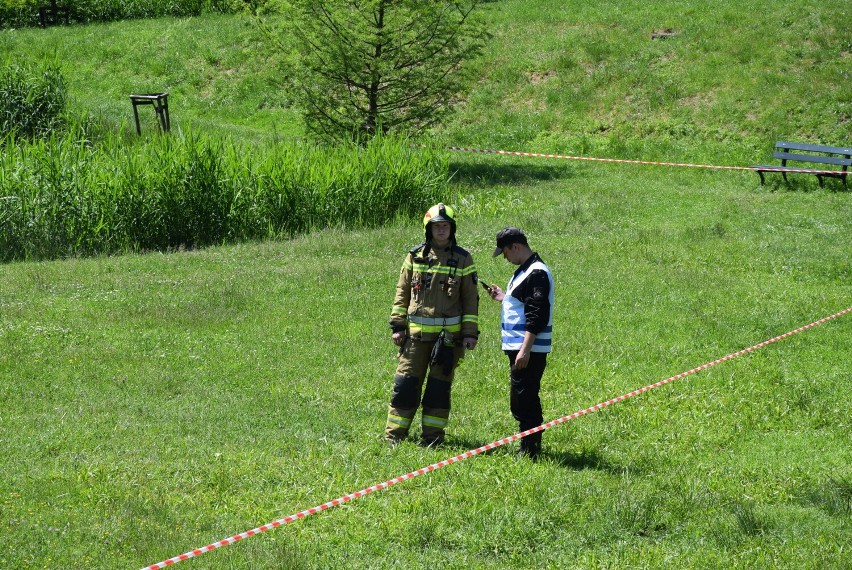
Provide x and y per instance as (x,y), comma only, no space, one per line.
(25,13)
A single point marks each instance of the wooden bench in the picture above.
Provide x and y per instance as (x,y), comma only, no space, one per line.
(831,156)
(160,101)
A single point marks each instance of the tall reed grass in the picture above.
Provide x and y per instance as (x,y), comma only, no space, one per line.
(65,196)
(32,99)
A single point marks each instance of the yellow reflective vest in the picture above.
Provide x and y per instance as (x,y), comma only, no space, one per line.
(437,291)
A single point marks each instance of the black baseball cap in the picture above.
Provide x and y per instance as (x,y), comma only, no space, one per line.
(508,236)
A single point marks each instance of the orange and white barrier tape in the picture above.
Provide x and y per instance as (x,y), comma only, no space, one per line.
(642,162)
(468,454)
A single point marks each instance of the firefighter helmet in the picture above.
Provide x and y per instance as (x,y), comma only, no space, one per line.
(440,213)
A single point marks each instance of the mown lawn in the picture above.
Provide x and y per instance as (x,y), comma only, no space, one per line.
(153,404)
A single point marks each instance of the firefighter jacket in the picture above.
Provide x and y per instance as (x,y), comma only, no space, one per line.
(437,292)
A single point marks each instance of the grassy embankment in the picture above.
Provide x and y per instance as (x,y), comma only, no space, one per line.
(154,403)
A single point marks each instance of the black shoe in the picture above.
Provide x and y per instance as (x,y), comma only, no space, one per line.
(393,442)
(532,452)
(431,441)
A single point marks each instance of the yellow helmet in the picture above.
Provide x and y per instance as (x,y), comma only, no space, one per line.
(439,213)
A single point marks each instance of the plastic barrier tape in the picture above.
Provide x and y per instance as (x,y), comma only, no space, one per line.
(644,162)
(346,498)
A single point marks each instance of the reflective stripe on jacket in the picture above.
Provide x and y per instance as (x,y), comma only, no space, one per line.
(514,317)
(437,291)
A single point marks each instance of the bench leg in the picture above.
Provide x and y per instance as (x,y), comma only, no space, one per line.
(760,173)
(162,119)
(168,121)
(136,117)
(161,106)
(819,177)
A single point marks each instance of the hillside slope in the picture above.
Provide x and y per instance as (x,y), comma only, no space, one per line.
(685,77)
(691,79)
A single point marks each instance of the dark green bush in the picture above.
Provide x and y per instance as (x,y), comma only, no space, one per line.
(25,13)
(18,13)
(111,10)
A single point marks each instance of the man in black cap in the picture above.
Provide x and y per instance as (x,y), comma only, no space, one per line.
(526,322)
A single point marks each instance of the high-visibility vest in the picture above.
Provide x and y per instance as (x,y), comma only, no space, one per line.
(514,320)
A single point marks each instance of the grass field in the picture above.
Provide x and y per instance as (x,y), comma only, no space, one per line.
(212,66)
(152,404)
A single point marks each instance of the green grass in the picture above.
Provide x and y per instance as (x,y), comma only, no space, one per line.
(587,78)
(33,100)
(213,67)
(151,404)
(558,76)
(64,198)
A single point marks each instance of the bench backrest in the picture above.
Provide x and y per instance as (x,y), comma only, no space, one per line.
(788,146)
(835,160)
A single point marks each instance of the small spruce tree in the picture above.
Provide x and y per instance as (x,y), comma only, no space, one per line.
(365,67)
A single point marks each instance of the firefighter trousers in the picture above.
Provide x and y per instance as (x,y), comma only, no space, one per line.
(415,366)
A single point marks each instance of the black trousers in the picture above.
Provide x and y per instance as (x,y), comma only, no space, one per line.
(524,401)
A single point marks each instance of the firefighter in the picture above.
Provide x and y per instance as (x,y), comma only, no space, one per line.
(435,317)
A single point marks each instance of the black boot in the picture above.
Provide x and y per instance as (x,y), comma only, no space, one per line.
(433,441)
(530,449)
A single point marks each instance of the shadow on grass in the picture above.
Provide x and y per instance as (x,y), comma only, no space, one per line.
(491,174)
(577,461)
(587,459)
(834,495)
(803,184)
